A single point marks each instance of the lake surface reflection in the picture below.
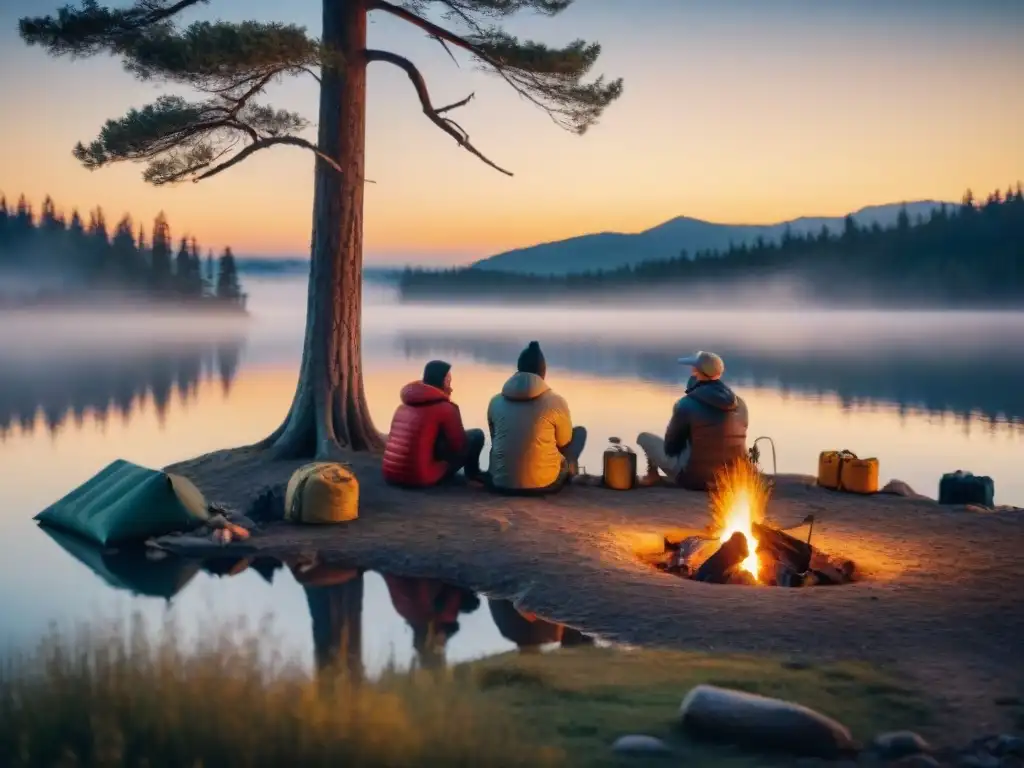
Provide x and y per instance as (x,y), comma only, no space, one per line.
(924,392)
(358,619)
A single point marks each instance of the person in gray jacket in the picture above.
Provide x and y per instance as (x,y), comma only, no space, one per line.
(708,429)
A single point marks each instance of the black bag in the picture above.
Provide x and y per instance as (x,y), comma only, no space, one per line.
(964,488)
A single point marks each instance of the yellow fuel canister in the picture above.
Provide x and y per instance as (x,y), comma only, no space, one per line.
(844,471)
(830,464)
(619,466)
(859,475)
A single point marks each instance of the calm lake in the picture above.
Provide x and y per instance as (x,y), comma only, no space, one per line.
(926,393)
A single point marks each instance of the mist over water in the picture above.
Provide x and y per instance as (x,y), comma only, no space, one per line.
(925,392)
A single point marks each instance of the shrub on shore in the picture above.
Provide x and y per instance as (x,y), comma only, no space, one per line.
(118,698)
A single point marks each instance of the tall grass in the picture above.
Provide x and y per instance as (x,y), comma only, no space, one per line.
(113,696)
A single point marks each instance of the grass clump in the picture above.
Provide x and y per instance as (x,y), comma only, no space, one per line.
(116,698)
(110,698)
(582,699)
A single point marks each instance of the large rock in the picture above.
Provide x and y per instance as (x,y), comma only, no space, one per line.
(900,488)
(898,744)
(640,744)
(762,723)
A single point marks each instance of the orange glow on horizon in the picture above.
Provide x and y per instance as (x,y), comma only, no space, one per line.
(783,114)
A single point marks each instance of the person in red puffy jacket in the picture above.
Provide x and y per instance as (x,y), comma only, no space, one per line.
(427,443)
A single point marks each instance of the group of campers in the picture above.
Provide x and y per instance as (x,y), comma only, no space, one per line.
(535,449)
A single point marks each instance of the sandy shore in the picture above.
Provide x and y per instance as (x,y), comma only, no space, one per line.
(943,602)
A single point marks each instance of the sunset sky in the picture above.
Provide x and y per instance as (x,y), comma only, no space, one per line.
(746,111)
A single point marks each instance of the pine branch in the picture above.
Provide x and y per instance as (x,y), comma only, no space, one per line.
(450,127)
(93,29)
(456,105)
(294,141)
(550,78)
(180,140)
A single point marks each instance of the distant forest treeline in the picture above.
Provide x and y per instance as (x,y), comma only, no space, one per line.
(967,254)
(83,257)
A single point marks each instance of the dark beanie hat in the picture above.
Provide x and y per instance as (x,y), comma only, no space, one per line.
(434,373)
(531,360)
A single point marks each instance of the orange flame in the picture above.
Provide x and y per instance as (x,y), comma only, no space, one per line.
(738,500)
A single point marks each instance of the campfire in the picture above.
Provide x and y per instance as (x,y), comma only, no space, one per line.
(742,548)
(737,503)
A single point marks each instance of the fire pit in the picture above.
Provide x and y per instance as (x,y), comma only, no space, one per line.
(743,548)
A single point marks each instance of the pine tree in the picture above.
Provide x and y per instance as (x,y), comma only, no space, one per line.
(195,270)
(228,288)
(49,222)
(124,254)
(97,242)
(160,255)
(232,63)
(75,235)
(24,219)
(210,278)
(5,231)
(903,219)
(181,267)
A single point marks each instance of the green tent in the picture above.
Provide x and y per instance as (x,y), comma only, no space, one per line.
(130,569)
(125,503)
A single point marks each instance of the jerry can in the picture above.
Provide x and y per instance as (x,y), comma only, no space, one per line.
(965,488)
(843,471)
(858,475)
(830,465)
(619,466)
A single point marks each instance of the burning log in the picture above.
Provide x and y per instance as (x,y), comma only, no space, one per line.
(777,547)
(720,567)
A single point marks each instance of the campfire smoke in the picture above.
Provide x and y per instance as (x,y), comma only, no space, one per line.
(738,502)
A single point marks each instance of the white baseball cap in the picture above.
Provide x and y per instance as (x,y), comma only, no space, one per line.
(708,363)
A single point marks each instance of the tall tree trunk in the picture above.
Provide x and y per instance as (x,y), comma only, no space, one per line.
(329,409)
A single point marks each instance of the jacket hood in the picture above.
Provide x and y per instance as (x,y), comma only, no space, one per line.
(524,386)
(418,393)
(714,394)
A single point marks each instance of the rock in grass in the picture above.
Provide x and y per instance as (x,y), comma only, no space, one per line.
(897,744)
(758,722)
(640,744)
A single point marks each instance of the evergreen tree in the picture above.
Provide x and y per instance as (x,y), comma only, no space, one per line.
(228,288)
(849,229)
(210,274)
(24,223)
(182,262)
(5,231)
(160,274)
(97,243)
(232,63)
(74,238)
(902,219)
(124,254)
(195,270)
(48,219)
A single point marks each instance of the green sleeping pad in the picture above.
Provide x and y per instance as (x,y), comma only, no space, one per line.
(127,503)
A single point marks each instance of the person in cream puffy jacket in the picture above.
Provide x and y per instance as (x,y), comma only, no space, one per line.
(534,447)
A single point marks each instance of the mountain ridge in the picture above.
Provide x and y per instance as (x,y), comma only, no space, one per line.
(610,250)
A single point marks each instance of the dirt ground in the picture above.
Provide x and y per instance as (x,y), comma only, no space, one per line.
(943,601)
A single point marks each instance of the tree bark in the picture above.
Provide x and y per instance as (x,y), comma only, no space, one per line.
(329,410)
